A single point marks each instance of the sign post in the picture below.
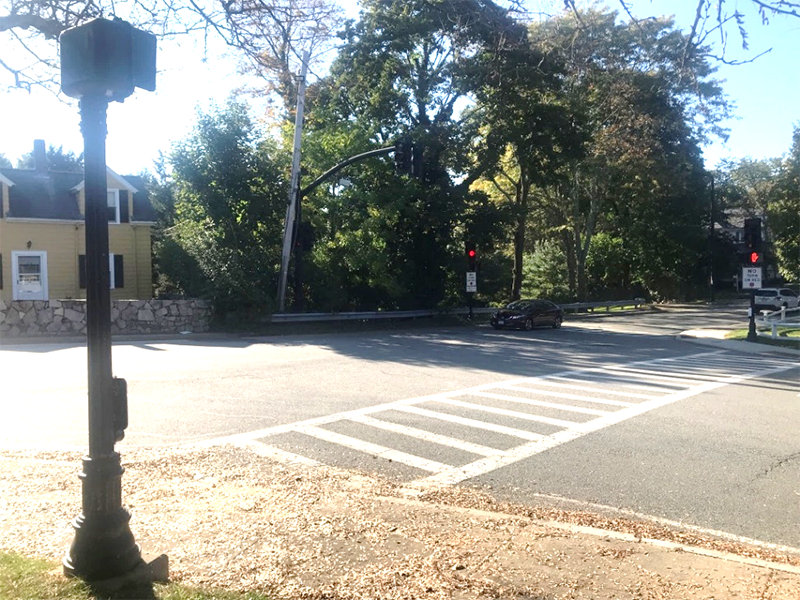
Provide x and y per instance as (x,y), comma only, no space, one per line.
(751,280)
(472,288)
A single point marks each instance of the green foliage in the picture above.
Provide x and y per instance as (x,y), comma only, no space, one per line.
(640,105)
(746,186)
(608,266)
(545,274)
(57,160)
(385,241)
(230,199)
(784,213)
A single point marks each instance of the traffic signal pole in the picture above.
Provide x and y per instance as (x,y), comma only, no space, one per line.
(752,336)
(752,240)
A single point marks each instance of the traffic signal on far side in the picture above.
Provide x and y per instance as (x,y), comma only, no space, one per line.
(472,255)
(752,234)
(418,160)
(753,257)
(402,156)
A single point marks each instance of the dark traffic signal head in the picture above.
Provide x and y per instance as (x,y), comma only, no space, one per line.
(472,255)
(402,156)
(752,233)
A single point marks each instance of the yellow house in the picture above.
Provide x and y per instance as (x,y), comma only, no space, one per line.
(43,238)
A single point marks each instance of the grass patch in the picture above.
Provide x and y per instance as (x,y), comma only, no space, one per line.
(23,578)
(787,338)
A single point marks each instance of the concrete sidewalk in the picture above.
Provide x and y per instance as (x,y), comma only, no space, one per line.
(716,338)
(231,519)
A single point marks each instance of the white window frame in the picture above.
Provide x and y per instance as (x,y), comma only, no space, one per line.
(15,254)
(116,200)
(111,285)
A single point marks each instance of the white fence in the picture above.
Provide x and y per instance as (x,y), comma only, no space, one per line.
(785,318)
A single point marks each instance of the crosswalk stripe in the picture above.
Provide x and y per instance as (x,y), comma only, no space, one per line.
(370,448)
(432,414)
(546,381)
(650,374)
(644,379)
(538,391)
(488,464)
(507,413)
(531,402)
(653,387)
(427,436)
(278,454)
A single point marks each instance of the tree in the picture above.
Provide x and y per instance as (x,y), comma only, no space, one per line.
(527,133)
(401,71)
(712,20)
(783,212)
(747,185)
(642,110)
(230,199)
(57,160)
(271,34)
(4,162)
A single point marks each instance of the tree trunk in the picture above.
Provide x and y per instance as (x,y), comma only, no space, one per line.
(523,188)
(569,252)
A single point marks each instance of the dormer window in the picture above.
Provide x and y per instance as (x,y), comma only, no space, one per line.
(113,206)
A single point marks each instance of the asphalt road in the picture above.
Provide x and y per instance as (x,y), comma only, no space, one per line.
(610,414)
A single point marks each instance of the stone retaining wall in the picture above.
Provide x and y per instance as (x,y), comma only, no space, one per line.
(31,318)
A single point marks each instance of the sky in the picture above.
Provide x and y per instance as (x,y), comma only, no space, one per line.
(766,94)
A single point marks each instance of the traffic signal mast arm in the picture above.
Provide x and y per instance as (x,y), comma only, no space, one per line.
(333,170)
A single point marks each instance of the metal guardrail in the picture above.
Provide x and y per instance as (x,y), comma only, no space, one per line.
(591,306)
(412,314)
(787,318)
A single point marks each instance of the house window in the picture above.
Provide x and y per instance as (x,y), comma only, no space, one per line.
(116,272)
(113,206)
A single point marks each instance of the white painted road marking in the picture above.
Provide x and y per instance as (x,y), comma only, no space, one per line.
(425,435)
(668,380)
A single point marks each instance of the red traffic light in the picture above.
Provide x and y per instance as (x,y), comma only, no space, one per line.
(471,253)
(753,258)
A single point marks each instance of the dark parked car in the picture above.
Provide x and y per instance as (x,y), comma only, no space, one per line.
(527,314)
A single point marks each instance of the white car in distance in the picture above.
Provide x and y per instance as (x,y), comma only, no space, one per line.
(775,298)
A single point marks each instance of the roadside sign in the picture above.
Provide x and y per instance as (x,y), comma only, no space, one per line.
(751,278)
(472,281)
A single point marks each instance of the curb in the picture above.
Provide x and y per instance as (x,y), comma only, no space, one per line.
(607,534)
(695,336)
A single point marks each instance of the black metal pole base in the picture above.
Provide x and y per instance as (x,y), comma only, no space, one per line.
(104,546)
(752,336)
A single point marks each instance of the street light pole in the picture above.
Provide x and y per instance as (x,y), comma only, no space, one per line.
(104,546)
(102,61)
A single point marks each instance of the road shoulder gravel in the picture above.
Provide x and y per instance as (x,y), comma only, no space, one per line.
(230,519)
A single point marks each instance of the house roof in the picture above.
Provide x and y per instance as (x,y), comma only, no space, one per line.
(142,208)
(42,194)
(54,195)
